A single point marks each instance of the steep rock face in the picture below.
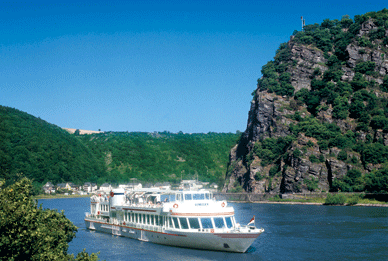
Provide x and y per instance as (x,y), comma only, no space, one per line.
(305,166)
(307,59)
(266,118)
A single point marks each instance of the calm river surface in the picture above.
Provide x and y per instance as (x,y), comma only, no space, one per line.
(292,232)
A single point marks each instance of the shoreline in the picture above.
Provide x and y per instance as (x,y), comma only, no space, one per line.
(60,196)
(236,201)
(310,203)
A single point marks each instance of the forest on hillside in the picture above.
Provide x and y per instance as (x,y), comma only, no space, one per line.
(43,152)
(162,156)
(30,147)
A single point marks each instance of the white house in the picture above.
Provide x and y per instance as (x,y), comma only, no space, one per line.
(106,187)
(89,187)
(49,188)
(132,186)
(62,186)
(163,186)
(190,185)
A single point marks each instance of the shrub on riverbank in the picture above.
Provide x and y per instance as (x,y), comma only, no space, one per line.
(335,199)
(341,199)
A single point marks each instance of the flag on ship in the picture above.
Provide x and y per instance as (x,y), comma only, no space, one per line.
(252,221)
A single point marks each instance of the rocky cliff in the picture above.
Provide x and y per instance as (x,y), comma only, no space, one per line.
(318,119)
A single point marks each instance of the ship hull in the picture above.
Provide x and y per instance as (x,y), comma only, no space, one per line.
(217,241)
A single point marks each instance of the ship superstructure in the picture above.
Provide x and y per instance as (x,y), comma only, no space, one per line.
(192,219)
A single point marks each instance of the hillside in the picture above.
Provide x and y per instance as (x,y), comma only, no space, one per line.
(44,152)
(41,151)
(319,116)
(162,156)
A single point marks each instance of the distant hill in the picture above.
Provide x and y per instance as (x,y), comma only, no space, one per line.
(319,116)
(41,151)
(162,156)
(44,152)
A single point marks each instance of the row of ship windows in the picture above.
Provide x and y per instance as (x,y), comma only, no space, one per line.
(179,223)
(104,207)
(194,196)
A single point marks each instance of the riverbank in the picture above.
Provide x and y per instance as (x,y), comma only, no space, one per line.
(345,199)
(294,199)
(48,196)
(314,203)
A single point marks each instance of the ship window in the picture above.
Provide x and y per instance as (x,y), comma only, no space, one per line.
(229,222)
(187,196)
(207,196)
(194,223)
(183,222)
(148,219)
(219,222)
(199,196)
(176,222)
(152,219)
(170,222)
(160,221)
(144,218)
(206,223)
(179,197)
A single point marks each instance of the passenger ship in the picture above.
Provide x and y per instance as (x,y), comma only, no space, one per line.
(192,219)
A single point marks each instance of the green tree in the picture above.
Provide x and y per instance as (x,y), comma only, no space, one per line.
(377,181)
(384,85)
(340,109)
(29,232)
(367,67)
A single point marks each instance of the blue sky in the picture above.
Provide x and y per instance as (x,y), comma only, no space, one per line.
(148,66)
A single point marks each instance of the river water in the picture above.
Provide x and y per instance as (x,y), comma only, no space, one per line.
(292,232)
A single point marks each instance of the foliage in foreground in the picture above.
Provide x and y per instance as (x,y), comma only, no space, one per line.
(29,232)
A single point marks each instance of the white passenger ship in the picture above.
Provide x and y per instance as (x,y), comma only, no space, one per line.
(191,219)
